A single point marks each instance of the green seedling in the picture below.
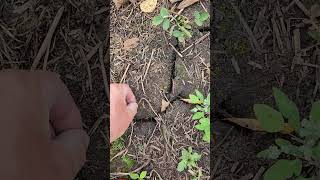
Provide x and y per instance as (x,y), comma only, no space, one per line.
(188,160)
(117,146)
(142,175)
(202,113)
(128,161)
(178,26)
(305,146)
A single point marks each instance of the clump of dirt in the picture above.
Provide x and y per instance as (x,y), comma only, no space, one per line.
(254,50)
(81,28)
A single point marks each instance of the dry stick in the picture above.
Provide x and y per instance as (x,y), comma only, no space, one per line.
(145,74)
(125,73)
(225,137)
(89,75)
(92,52)
(247,28)
(45,62)
(259,173)
(103,71)
(176,50)
(97,123)
(48,38)
(216,165)
(197,42)
(5,30)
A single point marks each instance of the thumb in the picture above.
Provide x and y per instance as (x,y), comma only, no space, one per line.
(132,109)
(70,149)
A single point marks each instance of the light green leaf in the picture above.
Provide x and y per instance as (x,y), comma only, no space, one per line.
(200,95)
(164,12)
(194,110)
(166,24)
(182,165)
(128,161)
(206,136)
(188,26)
(283,169)
(198,115)
(197,15)
(315,112)
(143,174)
(194,99)
(198,22)
(204,16)
(177,34)
(271,153)
(134,176)
(157,20)
(270,119)
(195,157)
(181,39)
(185,31)
(207,100)
(288,108)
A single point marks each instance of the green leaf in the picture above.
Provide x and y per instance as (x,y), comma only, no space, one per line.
(206,136)
(185,31)
(198,115)
(288,108)
(207,100)
(198,22)
(271,153)
(177,33)
(164,12)
(197,15)
(188,26)
(199,95)
(194,99)
(182,165)
(315,35)
(288,148)
(194,110)
(143,174)
(270,119)
(195,157)
(316,151)
(157,20)
(128,161)
(166,24)
(282,142)
(204,16)
(283,169)
(134,176)
(315,112)
(181,39)
(302,178)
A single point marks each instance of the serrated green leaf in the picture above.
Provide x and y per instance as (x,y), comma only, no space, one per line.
(270,119)
(185,31)
(166,24)
(177,33)
(204,16)
(315,35)
(164,12)
(143,174)
(271,153)
(288,108)
(315,112)
(199,95)
(194,99)
(157,20)
(134,176)
(182,165)
(282,170)
(198,115)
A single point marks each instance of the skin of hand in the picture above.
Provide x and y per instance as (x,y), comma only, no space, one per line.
(40,128)
(123,108)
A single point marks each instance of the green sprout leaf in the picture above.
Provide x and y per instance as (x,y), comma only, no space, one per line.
(200,95)
(128,161)
(315,112)
(182,165)
(194,99)
(204,125)
(271,153)
(157,20)
(164,12)
(270,119)
(143,174)
(198,115)
(181,39)
(185,31)
(204,16)
(177,33)
(283,169)
(134,176)
(166,24)
(197,15)
(288,108)
(188,159)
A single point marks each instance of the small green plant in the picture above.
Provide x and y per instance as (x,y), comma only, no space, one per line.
(142,175)
(201,113)
(128,161)
(117,146)
(181,26)
(305,147)
(188,160)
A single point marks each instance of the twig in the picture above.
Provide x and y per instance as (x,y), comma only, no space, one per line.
(176,50)
(92,52)
(145,74)
(197,42)
(225,137)
(47,39)
(97,123)
(103,71)
(45,62)
(125,73)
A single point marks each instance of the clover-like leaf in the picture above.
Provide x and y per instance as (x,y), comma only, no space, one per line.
(177,33)
(182,165)
(164,12)
(134,176)
(166,24)
(157,20)
(199,95)
(271,153)
(288,108)
(270,119)
(198,115)
(143,174)
(204,16)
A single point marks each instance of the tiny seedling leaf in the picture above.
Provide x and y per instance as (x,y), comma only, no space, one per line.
(177,34)
(194,99)
(204,16)
(315,112)
(271,153)
(283,169)
(166,24)
(198,115)
(143,174)
(134,176)
(197,15)
(270,119)
(288,108)
(185,31)
(157,20)
(182,165)
(194,110)
(164,12)
(199,95)
(181,39)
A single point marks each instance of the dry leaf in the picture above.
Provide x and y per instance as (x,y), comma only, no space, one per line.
(119,3)
(254,124)
(186,3)
(164,105)
(148,6)
(129,44)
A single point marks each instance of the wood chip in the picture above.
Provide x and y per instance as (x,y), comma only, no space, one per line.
(130,44)
(148,6)
(186,3)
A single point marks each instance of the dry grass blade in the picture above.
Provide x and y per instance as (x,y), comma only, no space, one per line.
(47,39)
(103,72)
(186,3)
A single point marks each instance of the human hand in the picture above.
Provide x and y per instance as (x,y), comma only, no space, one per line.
(40,128)
(123,108)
